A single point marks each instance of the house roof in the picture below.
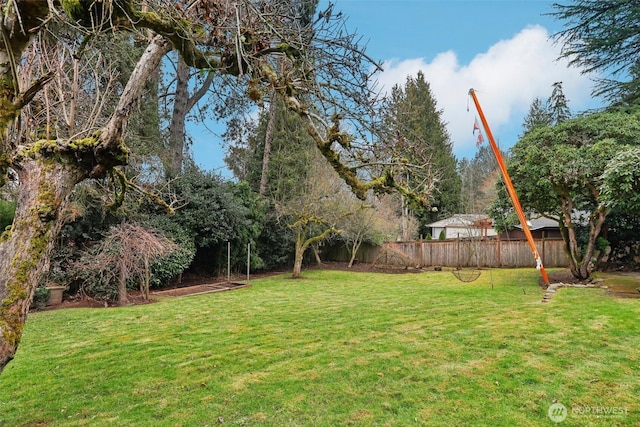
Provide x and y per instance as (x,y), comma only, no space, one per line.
(541,223)
(460,220)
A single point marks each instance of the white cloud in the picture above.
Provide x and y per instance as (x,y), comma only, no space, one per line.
(506,78)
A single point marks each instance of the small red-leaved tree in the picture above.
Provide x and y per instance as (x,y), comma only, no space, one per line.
(125,254)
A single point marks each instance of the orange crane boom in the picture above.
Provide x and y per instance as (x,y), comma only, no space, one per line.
(510,189)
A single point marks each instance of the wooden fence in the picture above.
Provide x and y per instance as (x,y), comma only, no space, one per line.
(454,253)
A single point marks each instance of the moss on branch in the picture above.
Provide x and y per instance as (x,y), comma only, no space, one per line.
(124,14)
(87,154)
(126,184)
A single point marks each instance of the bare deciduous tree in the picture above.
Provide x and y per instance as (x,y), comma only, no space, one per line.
(372,223)
(315,213)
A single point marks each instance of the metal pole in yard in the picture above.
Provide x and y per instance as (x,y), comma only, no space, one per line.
(228,261)
(248,260)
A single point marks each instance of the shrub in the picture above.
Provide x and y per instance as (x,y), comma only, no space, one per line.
(218,212)
(167,268)
(40,297)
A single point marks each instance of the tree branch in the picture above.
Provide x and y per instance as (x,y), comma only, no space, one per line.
(27,96)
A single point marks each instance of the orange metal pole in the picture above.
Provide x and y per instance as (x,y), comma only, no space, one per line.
(510,189)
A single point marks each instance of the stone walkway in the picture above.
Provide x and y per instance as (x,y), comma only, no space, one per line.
(551,290)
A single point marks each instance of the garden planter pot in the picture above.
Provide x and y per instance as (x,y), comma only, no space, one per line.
(56,295)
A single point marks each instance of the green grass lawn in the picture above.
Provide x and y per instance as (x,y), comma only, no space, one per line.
(335,348)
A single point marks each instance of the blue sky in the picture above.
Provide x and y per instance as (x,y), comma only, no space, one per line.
(501,48)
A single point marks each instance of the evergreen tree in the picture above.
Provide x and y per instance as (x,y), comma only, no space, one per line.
(291,153)
(422,139)
(629,93)
(538,116)
(585,164)
(557,105)
(603,35)
(278,134)
(552,112)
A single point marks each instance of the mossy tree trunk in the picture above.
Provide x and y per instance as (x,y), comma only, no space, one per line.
(25,250)
(303,242)
(297,261)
